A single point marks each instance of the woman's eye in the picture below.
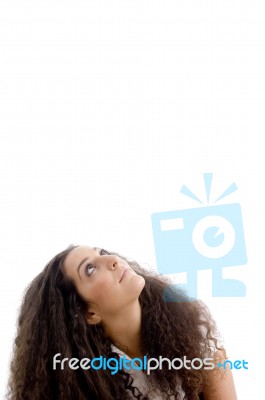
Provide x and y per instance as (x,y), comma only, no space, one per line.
(89,269)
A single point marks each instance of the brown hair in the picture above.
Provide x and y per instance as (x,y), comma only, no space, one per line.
(52,320)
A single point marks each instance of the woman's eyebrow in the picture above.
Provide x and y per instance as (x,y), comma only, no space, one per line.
(80,265)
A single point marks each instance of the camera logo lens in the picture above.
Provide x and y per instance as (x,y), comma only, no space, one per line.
(213,236)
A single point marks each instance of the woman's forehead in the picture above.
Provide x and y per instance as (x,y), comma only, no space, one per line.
(76,255)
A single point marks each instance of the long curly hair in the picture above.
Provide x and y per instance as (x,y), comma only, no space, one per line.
(52,319)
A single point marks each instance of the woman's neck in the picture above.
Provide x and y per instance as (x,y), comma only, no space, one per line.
(124,329)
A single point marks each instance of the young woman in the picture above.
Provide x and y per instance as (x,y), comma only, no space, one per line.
(88,303)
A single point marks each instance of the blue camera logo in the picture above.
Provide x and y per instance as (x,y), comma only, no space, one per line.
(210,237)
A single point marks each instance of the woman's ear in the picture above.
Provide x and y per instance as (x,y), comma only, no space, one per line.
(93,318)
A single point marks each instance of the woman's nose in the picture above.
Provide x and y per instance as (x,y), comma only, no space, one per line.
(111,262)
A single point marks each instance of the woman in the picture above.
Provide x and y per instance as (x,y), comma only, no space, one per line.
(87,303)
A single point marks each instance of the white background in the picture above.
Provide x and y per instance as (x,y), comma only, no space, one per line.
(107,109)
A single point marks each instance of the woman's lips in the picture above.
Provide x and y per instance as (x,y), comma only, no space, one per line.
(125,272)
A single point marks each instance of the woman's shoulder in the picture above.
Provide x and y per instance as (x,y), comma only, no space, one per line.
(140,380)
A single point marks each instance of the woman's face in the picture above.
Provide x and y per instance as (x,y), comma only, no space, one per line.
(106,282)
